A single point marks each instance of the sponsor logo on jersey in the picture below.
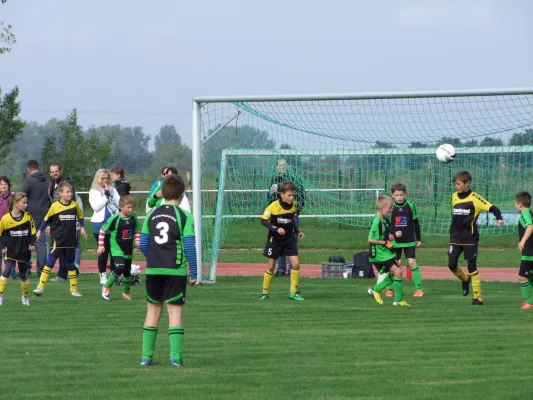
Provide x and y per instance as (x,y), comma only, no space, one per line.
(461,211)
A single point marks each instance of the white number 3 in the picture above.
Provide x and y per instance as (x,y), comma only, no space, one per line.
(163,233)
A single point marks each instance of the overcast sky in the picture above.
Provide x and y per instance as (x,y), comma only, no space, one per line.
(139,62)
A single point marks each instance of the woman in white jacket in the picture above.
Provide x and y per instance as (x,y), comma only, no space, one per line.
(104,200)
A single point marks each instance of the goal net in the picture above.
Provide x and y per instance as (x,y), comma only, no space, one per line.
(345,150)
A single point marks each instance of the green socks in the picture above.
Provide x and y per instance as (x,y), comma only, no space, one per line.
(397,284)
(126,284)
(175,335)
(149,337)
(417,278)
(378,287)
(525,288)
(111,279)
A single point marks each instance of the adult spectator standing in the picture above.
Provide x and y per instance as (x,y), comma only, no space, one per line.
(5,195)
(56,174)
(36,188)
(123,187)
(104,200)
(286,174)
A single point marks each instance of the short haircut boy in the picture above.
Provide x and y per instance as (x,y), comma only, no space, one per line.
(382,200)
(64,185)
(173,187)
(118,171)
(523,198)
(125,200)
(287,187)
(462,176)
(398,187)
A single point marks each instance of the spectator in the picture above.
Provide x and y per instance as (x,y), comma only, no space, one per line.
(104,200)
(57,176)
(36,188)
(5,195)
(155,198)
(123,187)
(286,174)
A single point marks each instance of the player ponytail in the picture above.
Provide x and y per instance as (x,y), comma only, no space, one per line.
(16,197)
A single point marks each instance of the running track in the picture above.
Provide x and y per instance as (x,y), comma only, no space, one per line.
(315,270)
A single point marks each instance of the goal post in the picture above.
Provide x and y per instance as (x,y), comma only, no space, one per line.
(348,148)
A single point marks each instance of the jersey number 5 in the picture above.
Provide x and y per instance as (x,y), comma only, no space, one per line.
(163,233)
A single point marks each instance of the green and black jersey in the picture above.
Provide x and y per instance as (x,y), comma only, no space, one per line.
(523,222)
(405,219)
(380,230)
(123,233)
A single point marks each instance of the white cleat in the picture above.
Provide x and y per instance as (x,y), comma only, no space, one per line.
(105,293)
(103,278)
(76,294)
(38,291)
(25,301)
(1,299)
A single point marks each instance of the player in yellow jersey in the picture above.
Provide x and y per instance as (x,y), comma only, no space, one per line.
(278,218)
(17,240)
(464,235)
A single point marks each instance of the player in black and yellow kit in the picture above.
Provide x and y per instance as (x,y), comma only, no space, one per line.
(278,218)
(525,246)
(464,235)
(17,240)
(62,218)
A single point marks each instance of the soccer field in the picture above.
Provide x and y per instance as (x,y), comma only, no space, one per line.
(337,344)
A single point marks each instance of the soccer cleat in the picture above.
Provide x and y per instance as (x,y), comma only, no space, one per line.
(1,300)
(466,286)
(146,363)
(296,296)
(176,363)
(476,302)
(263,297)
(103,278)
(402,303)
(126,296)
(58,279)
(389,293)
(418,293)
(25,301)
(375,295)
(106,292)
(526,306)
(76,293)
(38,291)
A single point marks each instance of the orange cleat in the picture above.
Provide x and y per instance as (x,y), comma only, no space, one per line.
(418,293)
(126,296)
(526,306)
(389,293)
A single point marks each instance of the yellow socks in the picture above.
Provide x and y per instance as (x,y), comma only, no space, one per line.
(25,287)
(3,283)
(267,279)
(460,274)
(45,275)
(476,285)
(73,280)
(295,280)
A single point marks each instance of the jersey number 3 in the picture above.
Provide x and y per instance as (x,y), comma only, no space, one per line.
(162,238)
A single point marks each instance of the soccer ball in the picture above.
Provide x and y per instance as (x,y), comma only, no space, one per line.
(135,269)
(445,153)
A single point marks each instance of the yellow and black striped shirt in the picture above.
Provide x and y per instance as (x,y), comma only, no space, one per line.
(17,234)
(62,219)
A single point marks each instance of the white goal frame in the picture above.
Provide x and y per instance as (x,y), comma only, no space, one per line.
(197,103)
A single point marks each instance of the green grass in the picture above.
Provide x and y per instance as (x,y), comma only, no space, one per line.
(338,344)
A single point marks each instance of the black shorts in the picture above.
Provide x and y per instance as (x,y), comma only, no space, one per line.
(67,253)
(526,269)
(276,249)
(410,252)
(455,250)
(385,266)
(166,289)
(125,263)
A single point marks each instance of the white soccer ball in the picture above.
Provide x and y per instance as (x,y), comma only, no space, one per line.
(445,153)
(135,269)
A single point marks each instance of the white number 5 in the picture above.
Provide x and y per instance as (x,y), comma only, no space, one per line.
(163,233)
(270,251)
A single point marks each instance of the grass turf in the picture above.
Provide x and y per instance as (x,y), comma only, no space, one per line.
(337,344)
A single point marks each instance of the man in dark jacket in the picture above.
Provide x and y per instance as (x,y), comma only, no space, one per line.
(123,187)
(36,188)
(286,174)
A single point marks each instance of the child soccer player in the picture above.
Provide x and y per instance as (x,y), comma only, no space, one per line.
(525,246)
(17,241)
(381,240)
(405,221)
(168,242)
(278,218)
(464,235)
(124,229)
(62,218)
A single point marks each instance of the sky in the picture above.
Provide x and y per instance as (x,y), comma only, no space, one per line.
(136,62)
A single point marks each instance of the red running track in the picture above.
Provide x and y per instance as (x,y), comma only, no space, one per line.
(315,270)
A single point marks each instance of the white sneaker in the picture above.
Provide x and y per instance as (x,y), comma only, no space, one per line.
(38,291)
(1,299)
(76,294)
(25,301)
(105,293)
(103,278)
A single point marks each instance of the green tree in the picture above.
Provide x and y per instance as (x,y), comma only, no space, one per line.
(7,37)
(488,141)
(11,125)
(167,136)
(170,151)
(80,155)
(522,139)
